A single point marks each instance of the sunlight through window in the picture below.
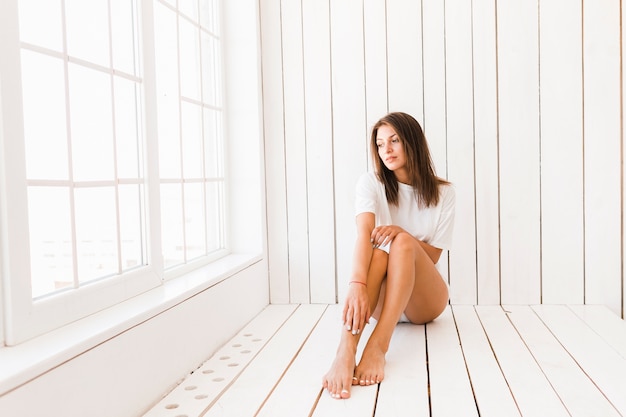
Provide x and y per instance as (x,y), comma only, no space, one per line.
(82,93)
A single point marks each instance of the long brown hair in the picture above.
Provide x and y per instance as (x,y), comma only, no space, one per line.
(419,164)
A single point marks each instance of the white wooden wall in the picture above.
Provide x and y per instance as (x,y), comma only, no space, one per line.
(522,104)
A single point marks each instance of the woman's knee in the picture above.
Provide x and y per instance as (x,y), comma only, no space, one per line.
(407,247)
(403,245)
(403,242)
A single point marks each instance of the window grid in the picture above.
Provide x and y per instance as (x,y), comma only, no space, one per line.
(71,184)
(201,105)
(52,115)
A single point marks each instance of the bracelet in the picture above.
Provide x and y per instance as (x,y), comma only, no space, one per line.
(358,282)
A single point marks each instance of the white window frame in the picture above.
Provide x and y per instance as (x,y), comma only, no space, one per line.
(190,265)
(24,318)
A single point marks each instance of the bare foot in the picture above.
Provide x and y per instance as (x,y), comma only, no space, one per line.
(371,369)
(339,378)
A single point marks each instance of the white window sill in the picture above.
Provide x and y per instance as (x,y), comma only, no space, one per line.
(28,360)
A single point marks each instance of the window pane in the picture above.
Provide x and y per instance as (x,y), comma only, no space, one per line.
(44,116)
(189,8)
(189,60)
(192,140)
(123,35)
(172,224)
(209,14)
(218,75)
(209,70)
(169,147)
(167,92)
(214,216)
(50,239)
(194,221)
(190,130)
(212,146)
(40,23)
(132,226)
(92,133)
(88,30)
(127,124)
(96,232)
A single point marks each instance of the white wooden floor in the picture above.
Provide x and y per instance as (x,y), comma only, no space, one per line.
(504,361)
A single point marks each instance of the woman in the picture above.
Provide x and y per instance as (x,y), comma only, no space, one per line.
(404,216)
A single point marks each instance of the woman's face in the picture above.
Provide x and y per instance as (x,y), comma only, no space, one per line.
(391,151)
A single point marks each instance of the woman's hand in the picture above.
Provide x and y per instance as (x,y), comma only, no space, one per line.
(356,311)
(382,235)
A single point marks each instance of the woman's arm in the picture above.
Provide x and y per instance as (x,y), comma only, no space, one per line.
(363,247)
(357,310)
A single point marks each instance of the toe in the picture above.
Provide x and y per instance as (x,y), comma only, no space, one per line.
(345,388)
(331,389)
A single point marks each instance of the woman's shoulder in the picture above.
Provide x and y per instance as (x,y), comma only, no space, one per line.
(447,192)
(369,186)
(369,176)
(446,187)
(368,179)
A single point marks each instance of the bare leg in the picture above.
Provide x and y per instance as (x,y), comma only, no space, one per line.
(339,379)
(413,286)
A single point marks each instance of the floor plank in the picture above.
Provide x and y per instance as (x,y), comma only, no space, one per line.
(362,403)
(604,322)
(598,359)
(473,360)
(200,389)
(531,389)
(300,388)
(257,381)
(404,391)
(450,388)
(493,396)
(300,393)
(580,396)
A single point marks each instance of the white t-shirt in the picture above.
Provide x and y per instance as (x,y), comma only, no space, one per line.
(433,225)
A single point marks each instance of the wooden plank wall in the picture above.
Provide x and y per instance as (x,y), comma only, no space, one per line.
(522,104)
